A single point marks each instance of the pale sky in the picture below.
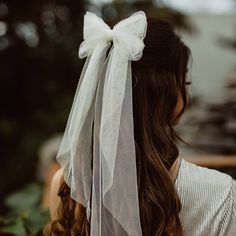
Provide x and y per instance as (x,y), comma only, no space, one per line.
(210,6)
(195,6)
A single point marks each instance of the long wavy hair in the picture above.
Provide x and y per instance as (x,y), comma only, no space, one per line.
(159,80)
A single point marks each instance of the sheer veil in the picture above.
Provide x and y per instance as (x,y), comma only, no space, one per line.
(104,181)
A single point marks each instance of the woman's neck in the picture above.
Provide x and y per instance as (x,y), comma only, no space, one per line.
(175,169)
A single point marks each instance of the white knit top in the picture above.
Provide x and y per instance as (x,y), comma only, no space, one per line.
(208,200)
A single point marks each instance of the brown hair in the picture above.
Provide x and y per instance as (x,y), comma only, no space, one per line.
(158,78)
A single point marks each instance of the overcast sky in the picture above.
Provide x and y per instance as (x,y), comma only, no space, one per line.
(195,6)
(211,6)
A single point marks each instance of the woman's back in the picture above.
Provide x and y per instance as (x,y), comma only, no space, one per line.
(117,157)
(208,201)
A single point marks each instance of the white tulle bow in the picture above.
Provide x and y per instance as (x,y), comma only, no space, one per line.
(127,34)
(100,127)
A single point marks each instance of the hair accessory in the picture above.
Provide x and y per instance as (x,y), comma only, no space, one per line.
(97,152)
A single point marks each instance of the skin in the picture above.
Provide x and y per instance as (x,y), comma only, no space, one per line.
(178,109)
(54,199)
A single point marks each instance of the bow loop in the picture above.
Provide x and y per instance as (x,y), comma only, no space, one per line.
(96,32)
(130,34)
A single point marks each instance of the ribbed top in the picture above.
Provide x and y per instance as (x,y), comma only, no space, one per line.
(208,200)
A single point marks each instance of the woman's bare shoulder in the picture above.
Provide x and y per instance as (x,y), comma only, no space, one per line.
(54,189)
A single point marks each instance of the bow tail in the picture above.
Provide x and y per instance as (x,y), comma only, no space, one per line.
(75,150)
(115,201)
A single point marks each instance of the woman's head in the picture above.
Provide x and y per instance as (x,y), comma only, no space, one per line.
(161,72)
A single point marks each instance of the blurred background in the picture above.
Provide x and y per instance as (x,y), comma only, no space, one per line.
(39,71)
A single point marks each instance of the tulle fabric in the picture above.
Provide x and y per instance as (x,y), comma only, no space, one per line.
(97,151)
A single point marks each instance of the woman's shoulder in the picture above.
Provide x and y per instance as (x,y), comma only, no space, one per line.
(54,189)
(207,184)
(196,176)
(208,199)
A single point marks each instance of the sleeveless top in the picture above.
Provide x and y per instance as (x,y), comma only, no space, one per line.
(208,200)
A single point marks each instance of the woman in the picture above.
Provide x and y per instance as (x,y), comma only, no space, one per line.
(175,196)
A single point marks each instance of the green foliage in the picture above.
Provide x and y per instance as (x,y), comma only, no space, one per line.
(25,216)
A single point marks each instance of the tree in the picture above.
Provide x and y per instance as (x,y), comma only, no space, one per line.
(39,73)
